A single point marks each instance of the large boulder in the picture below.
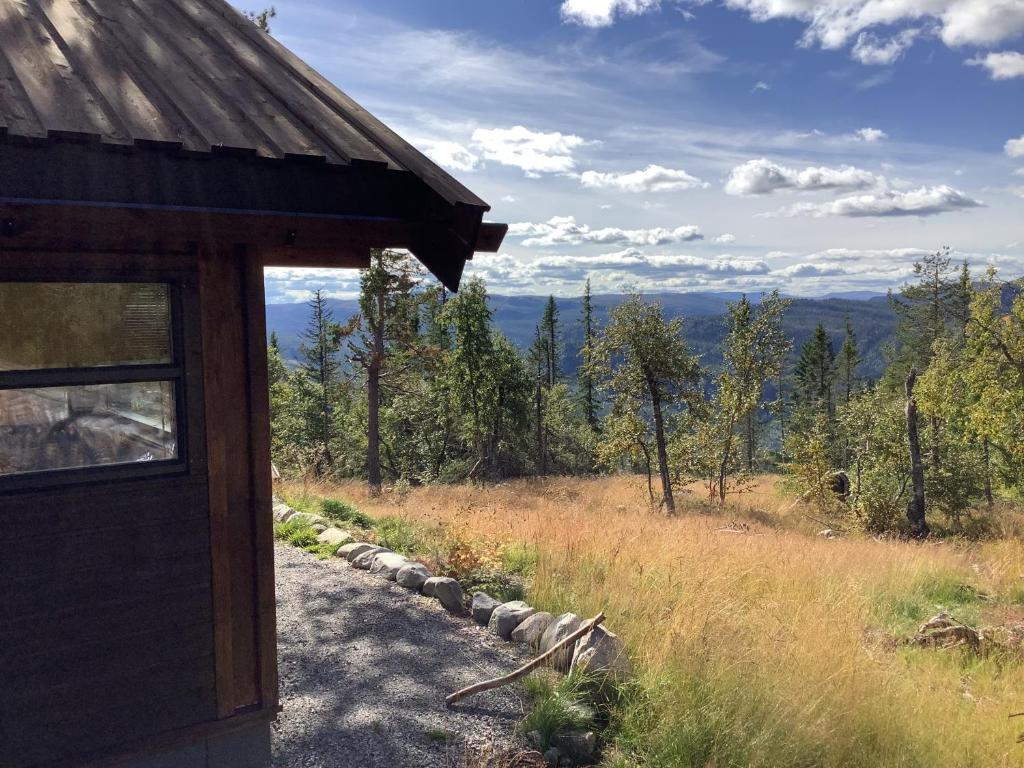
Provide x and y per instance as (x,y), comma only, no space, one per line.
(601,652)
(428,586)
(335,537)
(388,564)
(412,575)
(365,560)
(507,616)
(532,629)
(483,607)
(557,630)
(448,592)
(356,549)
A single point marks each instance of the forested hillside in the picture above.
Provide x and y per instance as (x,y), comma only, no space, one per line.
(704,317)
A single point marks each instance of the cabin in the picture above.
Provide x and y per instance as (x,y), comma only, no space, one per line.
(155,157)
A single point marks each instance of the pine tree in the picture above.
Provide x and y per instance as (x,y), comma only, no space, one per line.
(388,330)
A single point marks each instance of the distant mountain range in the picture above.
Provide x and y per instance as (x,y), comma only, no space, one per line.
(704,314)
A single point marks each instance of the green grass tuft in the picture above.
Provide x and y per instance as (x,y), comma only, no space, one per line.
(902,613)
(559,706)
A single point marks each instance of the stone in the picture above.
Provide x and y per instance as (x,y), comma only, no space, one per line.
(304,518)
(601,652)
(532,629)
(282,512)
(334,537)
(388,564)
(507,616)
(365,560)
(318,528)
(557,630)
(428,586)
(943,631)
(552,756)
(356,549)
(483,607)
(413,576)
(581,746)
(449,594)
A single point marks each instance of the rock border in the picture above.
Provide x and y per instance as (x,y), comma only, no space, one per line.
(600,652)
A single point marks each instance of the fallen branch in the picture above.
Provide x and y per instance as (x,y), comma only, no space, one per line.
(488,685)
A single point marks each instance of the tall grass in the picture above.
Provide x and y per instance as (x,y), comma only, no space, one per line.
(767,647)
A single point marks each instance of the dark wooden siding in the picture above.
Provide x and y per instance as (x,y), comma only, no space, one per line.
(105,617)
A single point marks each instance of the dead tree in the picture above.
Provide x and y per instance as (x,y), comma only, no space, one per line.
(915,507)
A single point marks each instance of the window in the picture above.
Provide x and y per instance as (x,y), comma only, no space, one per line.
(89,376)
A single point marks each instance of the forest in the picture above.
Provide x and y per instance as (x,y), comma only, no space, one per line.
(419,387)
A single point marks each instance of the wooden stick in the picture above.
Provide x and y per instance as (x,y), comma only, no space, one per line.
(488,685)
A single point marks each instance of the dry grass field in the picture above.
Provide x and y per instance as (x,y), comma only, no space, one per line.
(759,643)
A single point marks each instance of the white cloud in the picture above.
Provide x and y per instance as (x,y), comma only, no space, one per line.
(762,177)
(1014,147)
(870,135)
(653,178)
(565,230)
(1019,172)
(725,238)
(509,199)
(833,24)
(451,155)
(926,201)
(637,263)
(535,152)
(601,13)
(808,269)
(760,85)
(871,49)
(1004,65)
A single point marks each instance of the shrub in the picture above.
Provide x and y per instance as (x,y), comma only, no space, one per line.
(342,511)
(399,535)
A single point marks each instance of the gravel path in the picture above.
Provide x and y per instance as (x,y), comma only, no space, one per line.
(365,667)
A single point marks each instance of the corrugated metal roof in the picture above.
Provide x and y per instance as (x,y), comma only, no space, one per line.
(193,73)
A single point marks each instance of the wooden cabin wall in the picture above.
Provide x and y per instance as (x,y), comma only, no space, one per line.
(106,631)
(238,447)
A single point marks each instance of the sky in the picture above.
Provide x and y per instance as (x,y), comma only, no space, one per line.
(697,145)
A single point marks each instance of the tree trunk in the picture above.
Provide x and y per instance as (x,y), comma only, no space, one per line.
(373,396)
(987,458)
(659,436)
(751,430)
(916,506)
(373,429)
(541,452)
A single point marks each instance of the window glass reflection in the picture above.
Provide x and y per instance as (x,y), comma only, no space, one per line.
(84,426)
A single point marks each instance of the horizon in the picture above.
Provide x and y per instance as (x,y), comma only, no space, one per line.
(692,145)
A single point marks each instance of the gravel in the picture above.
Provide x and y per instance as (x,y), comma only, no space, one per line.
(365,666)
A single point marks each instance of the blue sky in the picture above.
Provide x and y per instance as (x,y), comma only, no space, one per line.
(701,145)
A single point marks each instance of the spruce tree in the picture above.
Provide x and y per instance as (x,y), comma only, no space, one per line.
(585,379)
(318,352)
(815,375)
(849,359)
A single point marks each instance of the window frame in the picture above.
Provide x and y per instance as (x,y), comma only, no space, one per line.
(182,303)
